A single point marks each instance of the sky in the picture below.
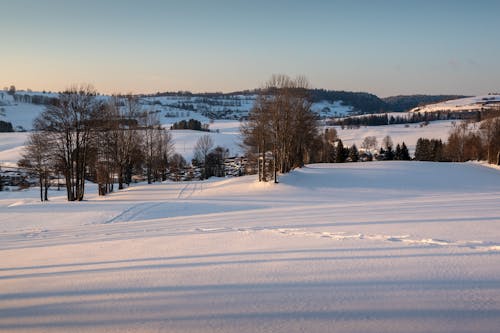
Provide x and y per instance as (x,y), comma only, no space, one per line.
(382,47)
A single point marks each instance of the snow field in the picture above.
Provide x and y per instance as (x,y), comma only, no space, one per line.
(229,137)
(362,247)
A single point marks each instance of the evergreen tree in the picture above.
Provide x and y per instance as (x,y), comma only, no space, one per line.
(353,153)
(422,150)
(389,154)
(405,155)
(340,156)
(397,154)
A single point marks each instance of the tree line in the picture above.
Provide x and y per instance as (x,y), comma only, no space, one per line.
(467,141)
(84,138)
(191,124)
(407,118)
(281,133)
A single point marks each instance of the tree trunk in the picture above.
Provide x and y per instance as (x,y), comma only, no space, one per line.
(498,158)
(41,188)
(46,189)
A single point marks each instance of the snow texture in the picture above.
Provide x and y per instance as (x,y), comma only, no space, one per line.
(361,247)
(475,103)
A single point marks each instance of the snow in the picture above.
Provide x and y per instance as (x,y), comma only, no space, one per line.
(399,133)
(11,147)
(361,247)
(21,114)
(229,137)
(461,104)
(185,141)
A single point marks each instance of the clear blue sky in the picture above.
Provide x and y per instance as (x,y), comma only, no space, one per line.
(383,47)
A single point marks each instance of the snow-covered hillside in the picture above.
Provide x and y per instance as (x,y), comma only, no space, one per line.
(226,133)
(409,134)
(22,112)
(477,103)
(21,115)
(365,247)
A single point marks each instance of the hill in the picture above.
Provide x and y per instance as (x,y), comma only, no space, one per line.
(403,103)
(469,104)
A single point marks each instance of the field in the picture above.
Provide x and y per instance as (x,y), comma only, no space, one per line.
(227,134)
(363,247)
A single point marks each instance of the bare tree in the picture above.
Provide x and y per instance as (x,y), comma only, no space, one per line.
(177,163)
(158,146)
(490,130)
(38,157)
(129,150)
(456,142)
(150,127)
(203,146)
(256,133)
(387,142)
(68,126)
(282,122)
(369,143)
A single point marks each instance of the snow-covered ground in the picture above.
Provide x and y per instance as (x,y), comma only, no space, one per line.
(229,136)
(409,134)
(11,147)
(475,103)
(363,247)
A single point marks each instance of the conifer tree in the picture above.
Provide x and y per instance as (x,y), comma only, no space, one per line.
(340,155)
(353,153)
(397,153)
(389,154)
(405,155)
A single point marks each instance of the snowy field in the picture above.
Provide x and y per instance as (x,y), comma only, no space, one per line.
(461,104)
(398,133)
(364,247)
(11,144)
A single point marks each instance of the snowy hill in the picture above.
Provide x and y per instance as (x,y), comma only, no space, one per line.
(469,104)
(227,106)
(365,247)
(171,108)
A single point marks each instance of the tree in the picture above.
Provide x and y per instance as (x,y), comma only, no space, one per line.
(158,146)
(38,158)
(68,126)
(177,163)
(256,134)
(12,90)
(201,150)
(340,152)
(6,126)
(353,153)
(389,153)
(405,155)
(215,162)
(430,150)
(328,139)
(422,150)
(387,142)
(282,122)
(456,142)
(369,143)
(129,152)
(397,152)
(490,131)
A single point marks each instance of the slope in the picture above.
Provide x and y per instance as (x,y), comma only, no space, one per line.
(367,247)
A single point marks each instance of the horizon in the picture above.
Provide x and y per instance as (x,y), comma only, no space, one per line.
(386,48)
